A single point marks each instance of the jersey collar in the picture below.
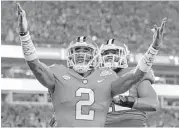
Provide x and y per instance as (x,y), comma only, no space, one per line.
(77,75)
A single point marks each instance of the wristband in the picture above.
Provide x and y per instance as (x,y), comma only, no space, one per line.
(147,60)
(28,47)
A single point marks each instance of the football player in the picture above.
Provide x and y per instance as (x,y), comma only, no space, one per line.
(127,110)
(81,95)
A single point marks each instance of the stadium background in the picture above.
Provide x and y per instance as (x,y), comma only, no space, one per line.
(52,25)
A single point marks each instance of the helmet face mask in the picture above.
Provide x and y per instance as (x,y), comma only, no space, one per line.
(82,55)
(113,56)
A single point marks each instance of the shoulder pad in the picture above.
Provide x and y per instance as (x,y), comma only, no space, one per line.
(57,68)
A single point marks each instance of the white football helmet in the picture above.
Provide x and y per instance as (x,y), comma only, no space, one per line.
(82,54)
(114,55)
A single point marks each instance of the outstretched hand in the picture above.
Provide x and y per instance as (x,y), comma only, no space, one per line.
(158,33)
(22,21)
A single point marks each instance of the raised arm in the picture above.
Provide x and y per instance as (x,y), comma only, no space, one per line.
(39,69)
(126,81)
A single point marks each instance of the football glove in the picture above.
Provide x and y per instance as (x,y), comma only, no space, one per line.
(125,101)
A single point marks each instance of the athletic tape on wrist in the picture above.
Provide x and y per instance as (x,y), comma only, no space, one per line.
(28,47)
(147,60)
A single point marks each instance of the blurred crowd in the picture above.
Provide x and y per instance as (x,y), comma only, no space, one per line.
(25,115)
(56,23)
(39,116)
(164,118)
(16,72)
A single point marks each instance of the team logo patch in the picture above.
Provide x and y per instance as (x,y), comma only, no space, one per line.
(105,73)
(65,77)
(85,81)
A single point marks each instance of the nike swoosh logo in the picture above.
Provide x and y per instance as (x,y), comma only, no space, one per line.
(99,81)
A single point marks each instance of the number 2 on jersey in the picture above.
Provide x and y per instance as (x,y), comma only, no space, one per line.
(81,103)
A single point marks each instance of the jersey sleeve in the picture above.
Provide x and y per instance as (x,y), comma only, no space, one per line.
(58,71)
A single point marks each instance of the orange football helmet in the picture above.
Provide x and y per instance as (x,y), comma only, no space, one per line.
(114,54)
(82,54)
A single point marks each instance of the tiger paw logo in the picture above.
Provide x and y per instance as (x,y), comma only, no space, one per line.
(66,77)
(105,73)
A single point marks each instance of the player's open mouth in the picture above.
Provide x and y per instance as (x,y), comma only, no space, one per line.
(109,59)
(80,59)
